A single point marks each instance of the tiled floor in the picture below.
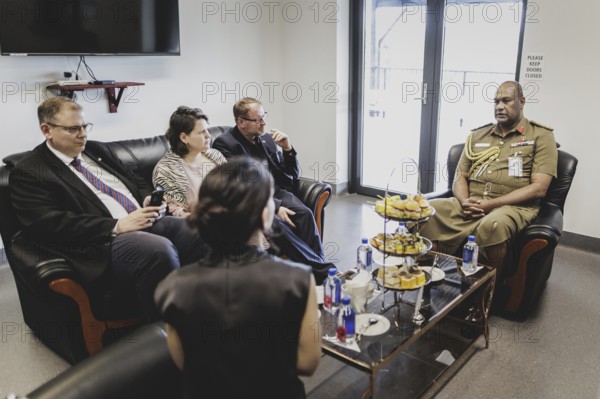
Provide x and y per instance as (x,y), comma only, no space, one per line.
(554,354)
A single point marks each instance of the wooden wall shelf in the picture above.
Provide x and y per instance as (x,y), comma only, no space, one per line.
(113,100)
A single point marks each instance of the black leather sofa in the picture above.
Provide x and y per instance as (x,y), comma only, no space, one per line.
(528,263)
(54,305)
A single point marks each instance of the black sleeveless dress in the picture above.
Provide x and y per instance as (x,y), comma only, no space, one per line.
(239,319)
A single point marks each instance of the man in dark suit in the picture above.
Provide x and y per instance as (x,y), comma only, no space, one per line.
(248,137)
(77,207)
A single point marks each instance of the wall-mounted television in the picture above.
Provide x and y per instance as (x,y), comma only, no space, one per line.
(89,27)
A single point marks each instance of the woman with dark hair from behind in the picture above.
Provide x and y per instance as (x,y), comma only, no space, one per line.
(241,323)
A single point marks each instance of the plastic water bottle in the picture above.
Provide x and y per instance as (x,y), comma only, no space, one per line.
(332,291)
(470,254)
(346,321)
(364,256)
(402,230)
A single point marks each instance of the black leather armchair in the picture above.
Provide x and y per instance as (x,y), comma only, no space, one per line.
(54,305)
(138,366)
(528,263)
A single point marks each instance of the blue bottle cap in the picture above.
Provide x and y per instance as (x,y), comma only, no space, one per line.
(346,300)
(365,240)
(471,238)
(332,271)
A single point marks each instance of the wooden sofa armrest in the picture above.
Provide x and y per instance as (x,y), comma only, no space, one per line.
(58,276)
(543,234)
(93,329)
(315,195)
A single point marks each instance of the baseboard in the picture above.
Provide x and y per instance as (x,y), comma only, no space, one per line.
(339,188)
(579,241)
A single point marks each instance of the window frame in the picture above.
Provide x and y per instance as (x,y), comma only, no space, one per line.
(434,41)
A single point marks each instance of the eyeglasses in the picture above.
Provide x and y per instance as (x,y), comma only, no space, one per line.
(74,129)
(262,118)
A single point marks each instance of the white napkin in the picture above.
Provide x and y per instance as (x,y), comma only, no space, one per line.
(353,345)
(445,358)
(467,273)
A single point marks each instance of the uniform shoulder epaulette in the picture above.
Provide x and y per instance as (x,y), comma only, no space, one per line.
(534,123)
(481,127)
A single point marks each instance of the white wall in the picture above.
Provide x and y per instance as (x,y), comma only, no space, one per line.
(223,59)
(315,54)
(220,57)
(567,34)
(284,53)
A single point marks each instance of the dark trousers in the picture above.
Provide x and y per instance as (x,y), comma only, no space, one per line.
(306,227)
(301,244)
(141,259)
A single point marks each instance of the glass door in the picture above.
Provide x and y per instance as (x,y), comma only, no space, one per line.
(392,111)
(480,52)
(428,72)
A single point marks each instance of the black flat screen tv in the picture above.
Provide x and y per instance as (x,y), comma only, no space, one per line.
(89,27)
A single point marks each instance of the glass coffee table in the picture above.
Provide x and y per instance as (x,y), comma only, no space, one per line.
(402,358)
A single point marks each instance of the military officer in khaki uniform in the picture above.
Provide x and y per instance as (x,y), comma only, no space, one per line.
(504,171)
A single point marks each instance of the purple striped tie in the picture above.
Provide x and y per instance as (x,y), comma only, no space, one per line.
(105,188)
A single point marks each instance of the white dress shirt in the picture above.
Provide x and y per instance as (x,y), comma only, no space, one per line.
(116,210)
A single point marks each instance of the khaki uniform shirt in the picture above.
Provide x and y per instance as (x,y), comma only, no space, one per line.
(530,141)
(531,145)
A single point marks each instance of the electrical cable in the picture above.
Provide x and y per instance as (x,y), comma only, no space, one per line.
(87,68)
(77,70)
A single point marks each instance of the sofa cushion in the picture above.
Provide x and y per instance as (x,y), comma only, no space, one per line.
(12,159)
(138,156)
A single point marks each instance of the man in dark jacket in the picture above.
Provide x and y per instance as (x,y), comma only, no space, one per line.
(75,206)
(248,137)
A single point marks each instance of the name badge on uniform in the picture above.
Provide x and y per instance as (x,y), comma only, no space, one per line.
(522,143)
(515,166)
(482,145)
